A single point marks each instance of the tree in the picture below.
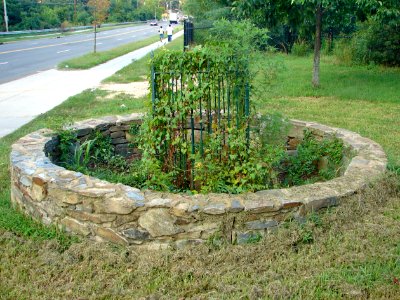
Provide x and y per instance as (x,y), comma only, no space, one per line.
(99,13)
(320,7)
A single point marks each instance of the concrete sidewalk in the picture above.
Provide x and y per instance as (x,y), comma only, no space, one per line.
(24,99)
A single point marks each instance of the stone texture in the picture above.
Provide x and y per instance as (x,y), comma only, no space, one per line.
(259,206)
(180,209)
(123,219)
(215,209)
(159,202)
(235,206)
(114,205)
(119,141)
(110,235)
(95,218)
(261,224)
(63,196)
(158,222)
(122,149)
(152,220)
(39,192)
(75,226)
(136,234)
(26,181)
(120,128)
(117,134)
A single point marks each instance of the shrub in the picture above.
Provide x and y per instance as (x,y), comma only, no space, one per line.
(315,160)
(374,43)
(301,48)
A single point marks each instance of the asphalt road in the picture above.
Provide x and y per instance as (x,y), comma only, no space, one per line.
(20,59)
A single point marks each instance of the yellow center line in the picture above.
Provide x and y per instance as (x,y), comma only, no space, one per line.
(68,43)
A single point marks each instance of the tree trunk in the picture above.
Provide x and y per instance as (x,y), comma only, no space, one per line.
(317,44)
(95,37)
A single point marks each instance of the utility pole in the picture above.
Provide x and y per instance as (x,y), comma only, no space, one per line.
(5,15)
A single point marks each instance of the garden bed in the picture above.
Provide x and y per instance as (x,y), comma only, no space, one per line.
(130,216)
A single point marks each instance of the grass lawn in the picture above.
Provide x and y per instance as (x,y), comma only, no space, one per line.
(351,251)
(90,60)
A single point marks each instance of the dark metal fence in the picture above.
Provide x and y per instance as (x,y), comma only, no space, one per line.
(194,33)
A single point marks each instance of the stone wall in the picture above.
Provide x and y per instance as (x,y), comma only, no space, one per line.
(143,218)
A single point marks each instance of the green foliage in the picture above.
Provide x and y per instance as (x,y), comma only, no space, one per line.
(187,87)
(67,143)
(97,149)
(272,128)
(301,48)
(27,14)
(242,38)
(377,43)
(315,160)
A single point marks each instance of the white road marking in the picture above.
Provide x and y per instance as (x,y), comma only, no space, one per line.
(71,42)
(99,44)
(63,51)
(120,39)
(4,63)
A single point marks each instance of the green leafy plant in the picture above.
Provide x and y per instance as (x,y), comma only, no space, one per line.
(82,155)
(315,160)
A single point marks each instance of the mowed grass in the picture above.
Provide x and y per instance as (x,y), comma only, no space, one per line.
(348,252)
(359,98)
(139,70)
(92,59)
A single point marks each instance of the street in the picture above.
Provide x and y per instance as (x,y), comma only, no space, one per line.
(20,59)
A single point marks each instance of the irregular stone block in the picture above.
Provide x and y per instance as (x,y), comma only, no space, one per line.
(110,235)
(26,181)
(136,234)
(83,131)
(286,204)
(119,141)
(261,224)
(39,180)
(96,192)
(120,128)
(75,226)
(235,206)
(122,149)
(259,206)
(159,202)
(95,218)
(215,209)
(114,205)
(117,134)
(63,196)
(158,222)
(39,192)
(180,209)
(123,219)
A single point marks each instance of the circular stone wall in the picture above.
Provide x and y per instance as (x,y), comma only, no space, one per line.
(129,216)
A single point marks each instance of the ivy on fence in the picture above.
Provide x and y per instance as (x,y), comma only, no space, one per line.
(199,98)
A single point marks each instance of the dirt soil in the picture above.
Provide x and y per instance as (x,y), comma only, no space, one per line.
(136,89)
